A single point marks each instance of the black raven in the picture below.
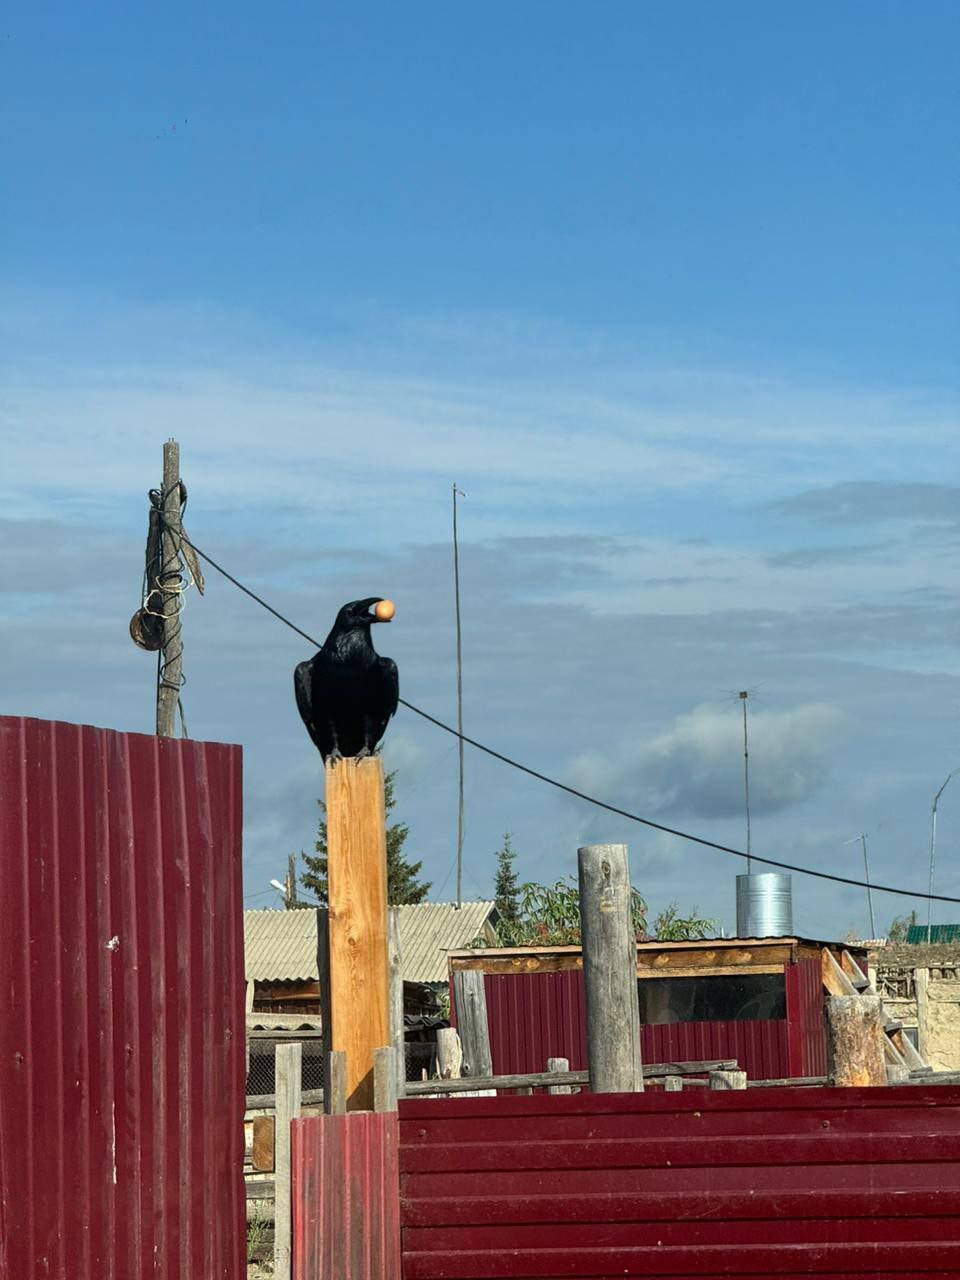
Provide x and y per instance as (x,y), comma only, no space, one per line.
(346,693)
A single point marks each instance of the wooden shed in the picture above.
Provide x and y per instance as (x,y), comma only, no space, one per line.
(759,1000)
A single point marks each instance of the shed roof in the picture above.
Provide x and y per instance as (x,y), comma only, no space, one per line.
(281,946)
(918,934)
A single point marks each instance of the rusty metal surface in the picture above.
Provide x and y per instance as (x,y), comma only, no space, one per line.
(536,1016)
(346,1187)
(837,1183)
(121,1040)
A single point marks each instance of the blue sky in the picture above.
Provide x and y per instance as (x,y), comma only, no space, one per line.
(670,290)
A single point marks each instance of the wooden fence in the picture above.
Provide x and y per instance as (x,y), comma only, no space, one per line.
(837,1183)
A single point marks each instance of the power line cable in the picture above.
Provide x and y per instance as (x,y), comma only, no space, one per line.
(582,795)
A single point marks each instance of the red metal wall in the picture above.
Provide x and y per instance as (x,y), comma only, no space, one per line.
(535,1016)
(346,1215)
(844,1184)
(122,1032)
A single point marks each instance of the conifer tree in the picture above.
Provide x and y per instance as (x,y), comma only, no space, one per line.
(403,883)
(506,892)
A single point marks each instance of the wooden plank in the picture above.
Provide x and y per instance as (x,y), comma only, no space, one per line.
(541,1078)
(267,1101)
(262,1150)
(855,1040)
(471,1008)
(288,1074)
(357,885)
(673,1084)
(609,969)
(834,978)
(259,1188)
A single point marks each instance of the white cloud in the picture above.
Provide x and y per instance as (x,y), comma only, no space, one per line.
(696,766)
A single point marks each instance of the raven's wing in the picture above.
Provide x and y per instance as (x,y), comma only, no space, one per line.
(303,688)
(386,699)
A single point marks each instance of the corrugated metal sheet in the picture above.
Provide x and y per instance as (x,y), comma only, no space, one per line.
(805,1016)
(280,946)
(346,1212)
(535,1016)
(917,933)
(837,1183)
(121,1097)
(428,930)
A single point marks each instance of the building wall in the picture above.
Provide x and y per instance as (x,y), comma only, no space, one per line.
(929,1000)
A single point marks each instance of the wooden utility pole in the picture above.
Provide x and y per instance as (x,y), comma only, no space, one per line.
(609,970)
(357,894)
(170,582)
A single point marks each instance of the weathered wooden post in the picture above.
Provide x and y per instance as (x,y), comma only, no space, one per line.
(357,891)
(384,1079)
(855,1040)
(471,1004)
(558,1065)
(397,1032)
(609,970)
(288,1068)
(449,1053)
(728,1079)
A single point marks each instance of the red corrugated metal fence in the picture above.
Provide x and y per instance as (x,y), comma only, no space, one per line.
(345,1208)
(844,1184)
(535,1016)
(122,1032)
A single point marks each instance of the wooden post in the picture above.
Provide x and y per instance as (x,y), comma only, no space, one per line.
(855,1040)
(397,1035)
(559,1064)
(384,1079)
(288,1068)
(728,1079)
(673,1084)
(335,1083)
(471,1004)
(921,983)
(609,970)
(449,1053)
(357,890)
(168,693)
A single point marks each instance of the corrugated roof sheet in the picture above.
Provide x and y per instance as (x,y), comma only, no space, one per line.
(428,930)
(282,945)
(917,933)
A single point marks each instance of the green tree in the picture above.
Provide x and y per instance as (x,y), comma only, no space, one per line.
(403,882)
(670,926)
(899,926)
(550,914)
(506,891)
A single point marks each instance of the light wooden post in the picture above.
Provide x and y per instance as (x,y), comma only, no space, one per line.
(471,1003)
(168,694)
(559,1064)
(449,1053)
(728,1079)
(357,892)
(397,1034)
(335,1083)
(609,970)
(855,1040)
(384,1079)
(673,1084)
(289,1058)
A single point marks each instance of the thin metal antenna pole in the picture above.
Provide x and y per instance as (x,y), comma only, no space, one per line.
(744,693)
(862,837)
(933,846)
(456,593)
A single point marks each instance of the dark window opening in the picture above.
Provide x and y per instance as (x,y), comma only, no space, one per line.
(748,997)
